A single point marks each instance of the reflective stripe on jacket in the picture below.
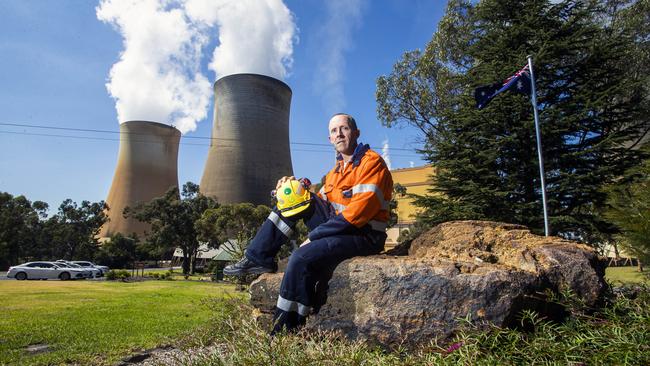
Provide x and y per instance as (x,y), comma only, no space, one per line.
(359,191)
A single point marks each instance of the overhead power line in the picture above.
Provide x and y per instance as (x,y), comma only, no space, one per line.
(329,151)
(137,133)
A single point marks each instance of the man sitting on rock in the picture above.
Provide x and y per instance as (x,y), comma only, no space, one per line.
(347,218)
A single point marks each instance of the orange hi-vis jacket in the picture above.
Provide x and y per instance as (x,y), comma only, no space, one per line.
(359,191)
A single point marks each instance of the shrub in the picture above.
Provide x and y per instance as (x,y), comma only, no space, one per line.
(114,275)
(213,266)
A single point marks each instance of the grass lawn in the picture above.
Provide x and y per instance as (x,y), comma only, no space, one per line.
(177,274)
(620,275)
(99,322)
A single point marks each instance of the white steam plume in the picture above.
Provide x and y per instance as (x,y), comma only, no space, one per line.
(384,153)
(335,39)
(255,36)
(158,76)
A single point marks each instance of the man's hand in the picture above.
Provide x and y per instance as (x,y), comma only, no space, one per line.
(305,242)
(282,180)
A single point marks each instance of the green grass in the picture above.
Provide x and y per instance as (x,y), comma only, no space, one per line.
(618,334)
(101,322)
(177,274)
(621,275)
(92,322)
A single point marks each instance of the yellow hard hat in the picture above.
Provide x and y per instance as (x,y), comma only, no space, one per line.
(292,198)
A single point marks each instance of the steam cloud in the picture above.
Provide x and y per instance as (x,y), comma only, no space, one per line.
(336,39)
(158,76)
(254,36)
(385,155)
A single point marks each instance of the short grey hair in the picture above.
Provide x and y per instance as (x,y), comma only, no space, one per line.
(351,122)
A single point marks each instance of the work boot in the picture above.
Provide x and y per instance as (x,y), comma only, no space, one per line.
(244,267)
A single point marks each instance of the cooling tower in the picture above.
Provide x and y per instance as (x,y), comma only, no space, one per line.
(146,169)
(249,150)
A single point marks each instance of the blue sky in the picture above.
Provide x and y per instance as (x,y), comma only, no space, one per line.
(55,62)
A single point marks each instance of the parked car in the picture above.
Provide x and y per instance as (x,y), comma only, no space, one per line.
(88,272)
(44,271)
(103,269)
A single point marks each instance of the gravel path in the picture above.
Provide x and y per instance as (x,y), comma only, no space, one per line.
(170,356)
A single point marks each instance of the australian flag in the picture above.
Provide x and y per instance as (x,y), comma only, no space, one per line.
(518,83)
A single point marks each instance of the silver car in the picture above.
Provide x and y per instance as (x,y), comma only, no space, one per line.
(44,271)
(87,264)
(88,272)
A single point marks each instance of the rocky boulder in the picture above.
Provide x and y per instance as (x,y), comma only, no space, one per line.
(485,271)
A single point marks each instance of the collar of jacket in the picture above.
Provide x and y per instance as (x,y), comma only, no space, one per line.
(359,152)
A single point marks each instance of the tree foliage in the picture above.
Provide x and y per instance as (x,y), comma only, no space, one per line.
(73,230)
(172,219)
(232,225)
(629,209)
(592,108)
(122,251)
(26,232)
(20,225)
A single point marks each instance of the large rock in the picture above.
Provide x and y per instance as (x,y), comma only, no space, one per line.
(485,271)
(562,264)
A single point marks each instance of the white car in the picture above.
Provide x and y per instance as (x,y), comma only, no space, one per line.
(88,272)
(86,264)
(44,271)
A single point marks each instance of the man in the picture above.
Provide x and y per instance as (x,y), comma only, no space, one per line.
(347,218)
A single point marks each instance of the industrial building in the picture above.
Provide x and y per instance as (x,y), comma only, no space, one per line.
(146,169)
(249,149)
(416,180)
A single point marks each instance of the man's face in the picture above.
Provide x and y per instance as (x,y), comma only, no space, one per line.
(342,136)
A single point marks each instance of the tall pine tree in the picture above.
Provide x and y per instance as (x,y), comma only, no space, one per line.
(591,106)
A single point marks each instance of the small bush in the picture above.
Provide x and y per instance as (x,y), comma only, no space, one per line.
(115,275)
(213,266)
(161,275)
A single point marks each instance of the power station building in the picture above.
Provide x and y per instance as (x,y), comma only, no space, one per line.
(146,169)
(249,149)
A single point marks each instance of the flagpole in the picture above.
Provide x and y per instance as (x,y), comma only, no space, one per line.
(539,143)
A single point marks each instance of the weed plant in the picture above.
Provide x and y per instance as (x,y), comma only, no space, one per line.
(617,334)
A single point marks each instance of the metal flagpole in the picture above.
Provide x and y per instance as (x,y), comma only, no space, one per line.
(539,143)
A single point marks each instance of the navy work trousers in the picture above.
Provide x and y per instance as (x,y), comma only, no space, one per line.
(304,285)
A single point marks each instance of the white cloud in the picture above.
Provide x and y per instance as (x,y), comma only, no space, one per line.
(334,40)
(158,75)
(384,153)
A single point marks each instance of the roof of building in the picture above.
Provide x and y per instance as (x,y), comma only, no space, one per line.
(223,253)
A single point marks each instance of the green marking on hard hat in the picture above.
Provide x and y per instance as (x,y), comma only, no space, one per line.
(287,191)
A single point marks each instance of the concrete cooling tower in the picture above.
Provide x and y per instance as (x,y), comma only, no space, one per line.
(249,150)
(146,169)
